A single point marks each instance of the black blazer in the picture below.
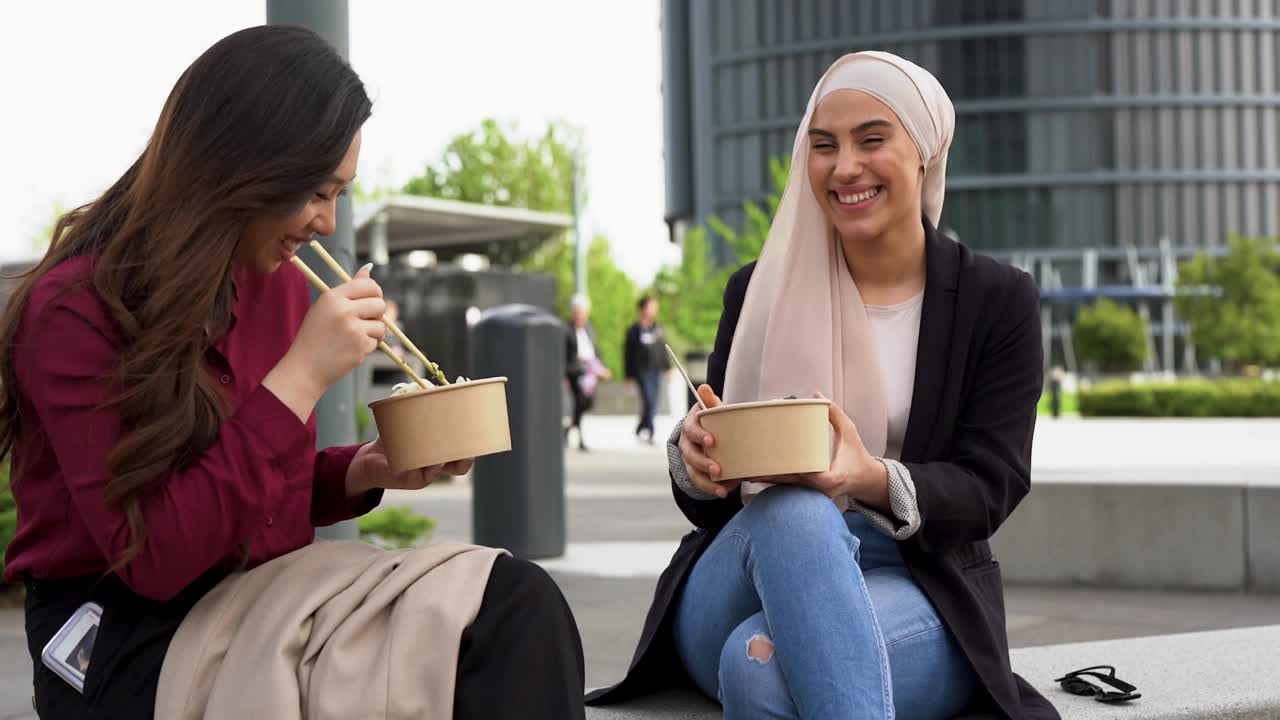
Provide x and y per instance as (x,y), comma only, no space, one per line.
(638,357)
(979,375)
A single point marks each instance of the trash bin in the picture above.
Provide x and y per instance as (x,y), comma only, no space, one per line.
(518,498)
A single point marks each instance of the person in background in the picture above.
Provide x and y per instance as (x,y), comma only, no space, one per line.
(582,365)
(646,361)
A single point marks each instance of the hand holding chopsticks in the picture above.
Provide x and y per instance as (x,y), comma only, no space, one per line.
(395,329)
(320,285)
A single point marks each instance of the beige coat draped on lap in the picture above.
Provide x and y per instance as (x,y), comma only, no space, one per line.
(333,630)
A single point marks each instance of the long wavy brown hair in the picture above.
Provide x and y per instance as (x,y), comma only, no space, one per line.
(252,128)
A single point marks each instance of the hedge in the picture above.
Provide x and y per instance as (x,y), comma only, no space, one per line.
(1182,398)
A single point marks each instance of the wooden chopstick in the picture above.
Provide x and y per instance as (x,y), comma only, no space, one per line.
(395,329)
(320,285)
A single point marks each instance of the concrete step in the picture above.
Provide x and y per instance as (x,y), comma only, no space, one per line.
(1218,675)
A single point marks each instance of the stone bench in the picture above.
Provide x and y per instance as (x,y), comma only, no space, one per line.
(1222,674)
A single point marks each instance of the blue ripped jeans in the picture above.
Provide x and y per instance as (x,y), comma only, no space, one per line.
(798,611)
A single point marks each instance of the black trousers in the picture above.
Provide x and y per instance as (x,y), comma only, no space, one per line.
(520,658)
(582,402)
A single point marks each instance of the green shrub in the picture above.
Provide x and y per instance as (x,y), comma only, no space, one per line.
(1232,302)
(1111,336)
(1237,397)
(8,513)
(1070,404)
(395,527)
(364,419)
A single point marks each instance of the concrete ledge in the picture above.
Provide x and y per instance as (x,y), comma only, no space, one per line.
(1181,528)
(1130,536)
(1263,542)
(1223,675)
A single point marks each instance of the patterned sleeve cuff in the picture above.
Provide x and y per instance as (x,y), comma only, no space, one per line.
(902,501)
(679,474)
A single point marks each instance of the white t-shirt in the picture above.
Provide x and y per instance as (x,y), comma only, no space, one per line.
(897,329)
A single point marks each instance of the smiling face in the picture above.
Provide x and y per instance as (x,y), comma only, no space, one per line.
(864,169)
(270,240)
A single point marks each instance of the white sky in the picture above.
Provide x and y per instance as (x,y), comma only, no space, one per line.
(84,82)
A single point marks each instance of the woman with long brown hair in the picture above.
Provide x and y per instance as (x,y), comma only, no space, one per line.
(159,369)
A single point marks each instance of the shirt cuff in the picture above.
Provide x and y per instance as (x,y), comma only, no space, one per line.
(329,501)
(902,501)
(679,473)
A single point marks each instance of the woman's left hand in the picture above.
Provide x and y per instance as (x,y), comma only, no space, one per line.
(369,469)
(854,471)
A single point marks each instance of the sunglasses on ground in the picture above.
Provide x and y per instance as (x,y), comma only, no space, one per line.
(1076,684)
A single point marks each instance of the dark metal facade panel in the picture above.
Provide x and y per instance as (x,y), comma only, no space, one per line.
(1099,122)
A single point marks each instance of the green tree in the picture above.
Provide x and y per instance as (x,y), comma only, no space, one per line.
(368,194)
(492,166)
(612,293)
(556,259)
(1111,336)
(1241,324)
(748,242)
(691,293)
(40,241)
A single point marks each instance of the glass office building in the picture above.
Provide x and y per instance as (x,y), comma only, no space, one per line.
(1111,125)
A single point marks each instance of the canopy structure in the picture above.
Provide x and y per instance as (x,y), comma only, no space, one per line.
(400,224)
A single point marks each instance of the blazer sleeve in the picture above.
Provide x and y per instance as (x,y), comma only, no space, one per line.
(988,470)
(713,514)
(572,365)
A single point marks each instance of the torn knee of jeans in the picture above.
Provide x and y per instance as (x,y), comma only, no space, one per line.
(760,648)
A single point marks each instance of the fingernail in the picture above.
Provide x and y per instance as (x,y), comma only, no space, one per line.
(368,267)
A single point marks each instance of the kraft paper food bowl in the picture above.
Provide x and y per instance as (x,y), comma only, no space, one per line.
(442,424)
(771,437)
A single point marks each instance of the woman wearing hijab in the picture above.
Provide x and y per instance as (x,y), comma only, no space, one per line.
(868,590)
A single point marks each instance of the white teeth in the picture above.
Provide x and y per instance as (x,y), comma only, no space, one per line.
(860,197)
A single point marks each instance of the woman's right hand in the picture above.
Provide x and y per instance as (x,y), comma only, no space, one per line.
(694,440)
(339,331)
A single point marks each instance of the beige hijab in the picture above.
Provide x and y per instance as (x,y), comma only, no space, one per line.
(803,327)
